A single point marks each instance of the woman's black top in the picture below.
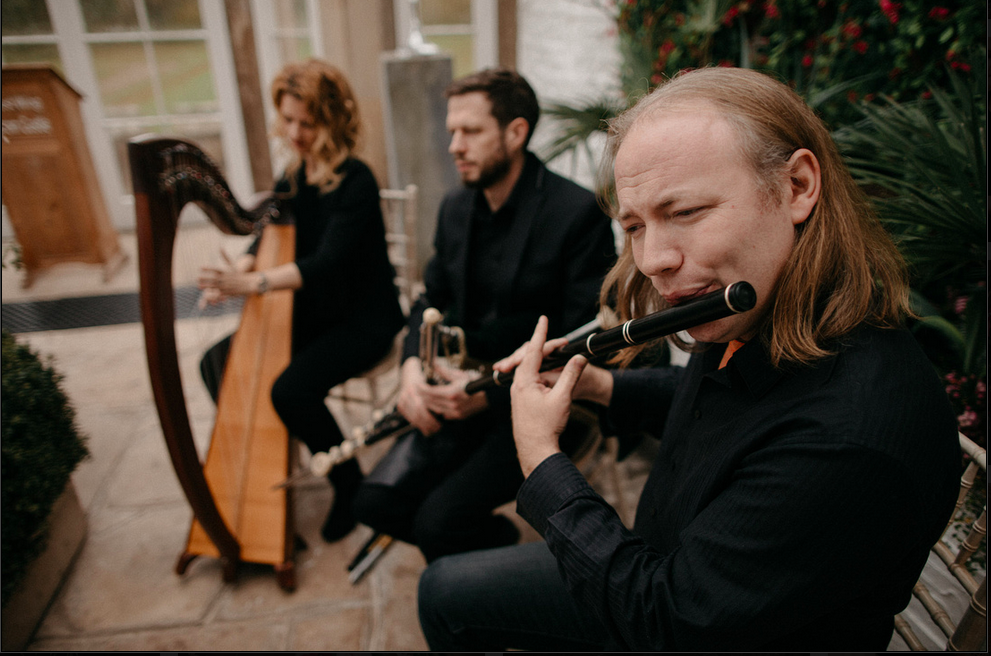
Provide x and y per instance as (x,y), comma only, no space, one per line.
(342,255)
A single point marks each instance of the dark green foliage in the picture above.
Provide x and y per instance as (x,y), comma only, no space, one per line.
(925,162)
(39,450)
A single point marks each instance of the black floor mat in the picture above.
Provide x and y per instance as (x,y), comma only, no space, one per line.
(109,310)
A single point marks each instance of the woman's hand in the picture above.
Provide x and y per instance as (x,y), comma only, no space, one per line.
(540,411)
(219,284)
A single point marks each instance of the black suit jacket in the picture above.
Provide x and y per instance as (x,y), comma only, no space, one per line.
(562,245)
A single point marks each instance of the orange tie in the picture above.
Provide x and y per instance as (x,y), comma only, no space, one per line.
(731,348)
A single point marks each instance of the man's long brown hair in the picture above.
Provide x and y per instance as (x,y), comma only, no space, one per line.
(844,269)
(328,97)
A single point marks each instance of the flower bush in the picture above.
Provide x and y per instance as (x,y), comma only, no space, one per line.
(832,52)
(39,451)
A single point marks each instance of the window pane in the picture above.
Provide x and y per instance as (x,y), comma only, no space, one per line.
(290,13)
(292,49)
(174,14)
(20,17)
(445,12)
(459,46)
(124,77)
(42,53)
(109,15)
(187,83)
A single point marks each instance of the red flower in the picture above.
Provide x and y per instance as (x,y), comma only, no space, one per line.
(771,10)
(927,94)
(730,15)
(666,47)
(852,30)
(851,96)
(960,66)
(725,63)
(860,47)
(939,13)
(890,9)
(679,19)
(807,61)
(656,79)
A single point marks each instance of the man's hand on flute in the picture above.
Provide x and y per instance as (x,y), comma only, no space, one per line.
(540,411)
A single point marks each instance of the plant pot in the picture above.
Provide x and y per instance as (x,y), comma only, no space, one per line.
(27,607)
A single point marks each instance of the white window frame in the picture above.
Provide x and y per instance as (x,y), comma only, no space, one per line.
(270,61)
(73,44)
(484,29)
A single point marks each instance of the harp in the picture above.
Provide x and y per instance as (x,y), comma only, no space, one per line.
(238,515)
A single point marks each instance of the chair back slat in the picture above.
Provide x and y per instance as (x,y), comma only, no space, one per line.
(968,632)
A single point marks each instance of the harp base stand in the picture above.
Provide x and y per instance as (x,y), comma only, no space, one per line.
(285,573)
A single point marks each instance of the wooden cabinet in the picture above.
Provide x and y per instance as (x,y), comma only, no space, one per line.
(50,186)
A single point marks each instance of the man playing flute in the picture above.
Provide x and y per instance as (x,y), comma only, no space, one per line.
(808,458)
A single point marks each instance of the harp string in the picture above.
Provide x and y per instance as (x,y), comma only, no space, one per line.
(188,182)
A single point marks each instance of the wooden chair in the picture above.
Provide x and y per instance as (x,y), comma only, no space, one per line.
(399,211)
(958,629)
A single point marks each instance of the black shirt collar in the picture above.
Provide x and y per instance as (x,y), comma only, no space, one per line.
(527,179)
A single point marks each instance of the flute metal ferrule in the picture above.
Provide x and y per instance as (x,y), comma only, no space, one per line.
(729,300)
(626,333)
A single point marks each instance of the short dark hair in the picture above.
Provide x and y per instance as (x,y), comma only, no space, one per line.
(510,94)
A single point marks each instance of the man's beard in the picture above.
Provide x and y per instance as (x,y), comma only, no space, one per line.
(490,172)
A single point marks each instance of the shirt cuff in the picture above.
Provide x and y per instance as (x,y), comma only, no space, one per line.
(548,488)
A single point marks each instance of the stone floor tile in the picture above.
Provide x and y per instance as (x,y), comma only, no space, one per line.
(144,475)
(124,579)
(271,635)
(331,629)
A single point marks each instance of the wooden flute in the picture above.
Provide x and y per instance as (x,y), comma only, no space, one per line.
(732,299)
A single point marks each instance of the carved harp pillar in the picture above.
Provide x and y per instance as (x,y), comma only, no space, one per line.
(238,514)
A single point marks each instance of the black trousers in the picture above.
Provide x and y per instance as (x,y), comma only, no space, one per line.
(439,492)
(320,363)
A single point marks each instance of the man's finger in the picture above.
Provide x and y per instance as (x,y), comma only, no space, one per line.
(569,377)
(533,353)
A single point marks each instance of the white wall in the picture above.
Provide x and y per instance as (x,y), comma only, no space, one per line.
(567,50)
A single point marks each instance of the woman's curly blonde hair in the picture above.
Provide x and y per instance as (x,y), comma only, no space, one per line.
(329,99)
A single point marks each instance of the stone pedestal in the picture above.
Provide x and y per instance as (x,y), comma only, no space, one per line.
(415,113)
(27,606)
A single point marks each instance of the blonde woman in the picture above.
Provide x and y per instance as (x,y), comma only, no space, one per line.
(346,309)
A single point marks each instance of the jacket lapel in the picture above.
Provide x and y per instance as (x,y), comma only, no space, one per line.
(464,217)
(530,202)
